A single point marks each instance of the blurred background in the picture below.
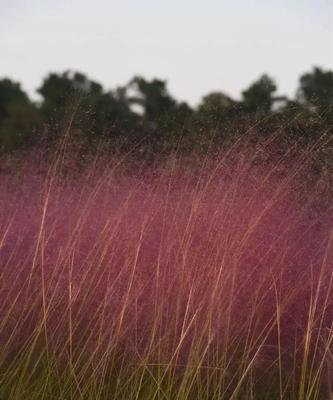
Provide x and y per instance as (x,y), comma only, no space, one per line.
(155,69)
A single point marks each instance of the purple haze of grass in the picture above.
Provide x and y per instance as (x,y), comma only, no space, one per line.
(226,266)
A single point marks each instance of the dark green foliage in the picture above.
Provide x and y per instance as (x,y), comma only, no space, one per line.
(259,96)
(9,92)
(144,114)
(216,107)
(96,111)
(316,91)
(18,115)
(153,97)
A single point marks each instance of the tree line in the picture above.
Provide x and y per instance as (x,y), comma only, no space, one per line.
(144,112)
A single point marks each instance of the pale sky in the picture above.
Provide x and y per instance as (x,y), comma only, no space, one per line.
(197,46)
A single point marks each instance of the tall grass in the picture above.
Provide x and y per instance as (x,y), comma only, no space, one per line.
(191,280)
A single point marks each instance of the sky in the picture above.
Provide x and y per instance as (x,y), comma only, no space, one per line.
(197,46)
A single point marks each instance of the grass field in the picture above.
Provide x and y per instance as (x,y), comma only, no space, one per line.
(206,279)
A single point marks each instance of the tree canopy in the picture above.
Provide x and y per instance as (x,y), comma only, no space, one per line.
(316,89)
(145,108)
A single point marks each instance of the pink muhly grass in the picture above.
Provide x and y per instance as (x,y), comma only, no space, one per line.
(212,282)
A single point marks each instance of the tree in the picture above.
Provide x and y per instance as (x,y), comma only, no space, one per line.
(18,115)
(215,108)
(316,89)
(112,110)
(153,97)
(259,96)
(58,90)
(98,111)
(9,92)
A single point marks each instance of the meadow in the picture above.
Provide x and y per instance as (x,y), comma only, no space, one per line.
(200,277)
